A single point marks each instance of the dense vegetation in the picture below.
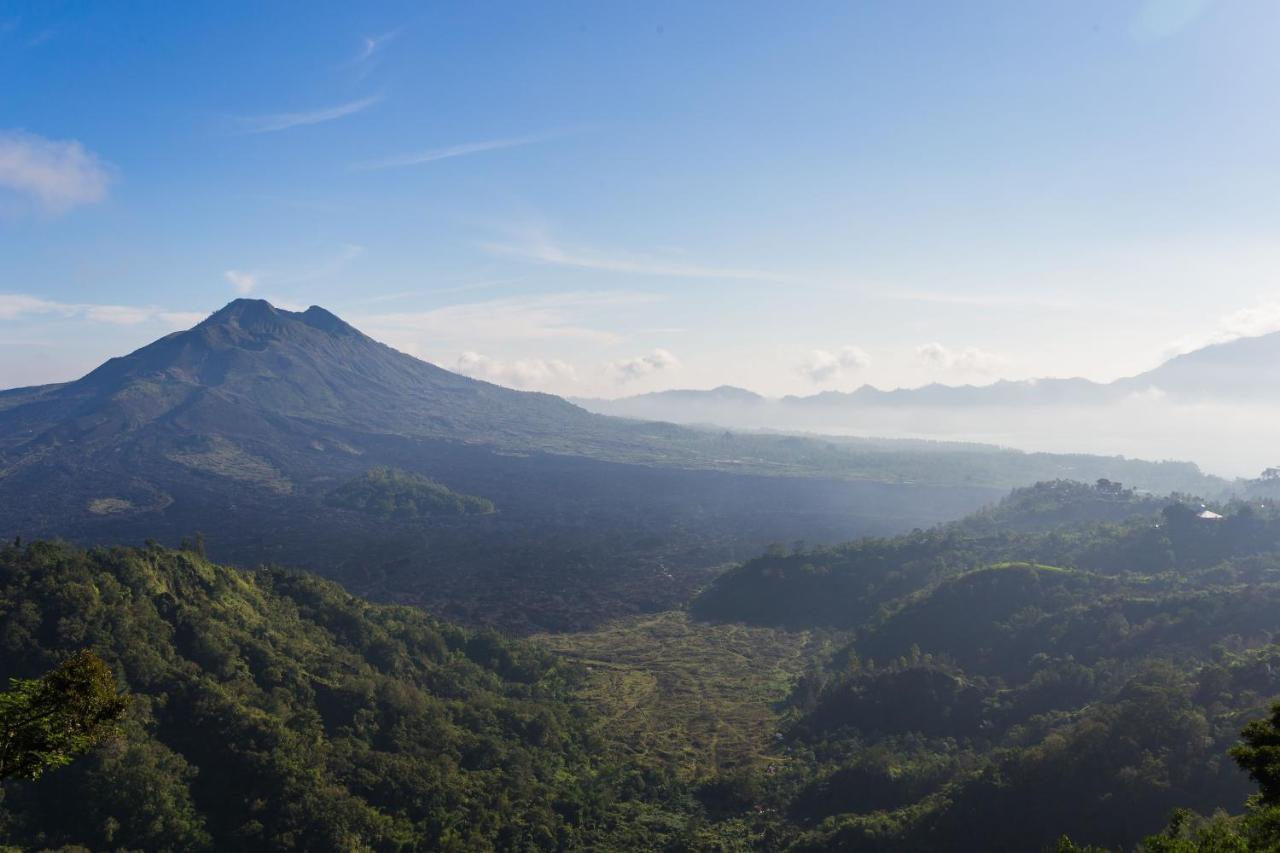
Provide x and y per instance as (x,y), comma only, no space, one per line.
(46,722)
(272,711)
(1077,660)
(391,493)
(1048,523)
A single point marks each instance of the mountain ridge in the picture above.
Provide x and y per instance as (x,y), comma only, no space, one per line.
(1211,405)
(1208,366)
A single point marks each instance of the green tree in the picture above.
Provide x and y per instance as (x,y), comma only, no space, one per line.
(1259,755)
(48,721)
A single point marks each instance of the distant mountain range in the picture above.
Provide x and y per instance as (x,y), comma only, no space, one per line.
(1246,369)
(1175,410)
(247,425)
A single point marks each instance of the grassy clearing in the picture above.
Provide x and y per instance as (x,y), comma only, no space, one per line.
(699,697)
(107,506)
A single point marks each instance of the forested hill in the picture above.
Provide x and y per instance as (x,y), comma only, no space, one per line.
(1077,660)
(272,711)
(1103,527)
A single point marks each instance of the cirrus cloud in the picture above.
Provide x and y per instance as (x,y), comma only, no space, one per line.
(14,306)
(273,122)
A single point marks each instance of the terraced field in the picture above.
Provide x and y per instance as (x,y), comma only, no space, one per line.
(701,698)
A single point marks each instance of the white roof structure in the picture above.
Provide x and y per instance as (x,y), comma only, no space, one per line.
(1209,515)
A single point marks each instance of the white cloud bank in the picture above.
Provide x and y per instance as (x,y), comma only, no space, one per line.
(54,175)
(521,373)
(825,366)
(967,360)
(628,369)
(1260,319)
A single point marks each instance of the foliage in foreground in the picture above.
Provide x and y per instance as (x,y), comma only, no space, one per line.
(46,722)
(1257,829)
(273,711)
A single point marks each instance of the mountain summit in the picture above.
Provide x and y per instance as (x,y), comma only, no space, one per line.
(257,372)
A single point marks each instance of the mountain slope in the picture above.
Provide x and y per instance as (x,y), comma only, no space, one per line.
(250,426)
(1243,369)
(253,360)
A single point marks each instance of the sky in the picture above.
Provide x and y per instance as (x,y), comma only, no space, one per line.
(602,199)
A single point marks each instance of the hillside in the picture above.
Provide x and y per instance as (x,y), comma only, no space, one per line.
(1087,676)
(273,711)
(1059,655)
(844,585)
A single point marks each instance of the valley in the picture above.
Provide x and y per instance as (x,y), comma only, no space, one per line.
(875,694)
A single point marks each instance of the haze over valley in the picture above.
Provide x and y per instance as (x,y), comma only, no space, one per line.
(1214,405)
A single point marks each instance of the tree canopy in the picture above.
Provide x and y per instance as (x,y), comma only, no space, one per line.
(48,721)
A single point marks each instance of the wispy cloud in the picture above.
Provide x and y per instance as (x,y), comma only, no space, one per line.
(14,306)
(431,155)
(540,249)
(244,282)
(1160,19)
(273,122)
(469,287)
(553,316)
(54,175)
(979,300)
(370,46)
(347,253)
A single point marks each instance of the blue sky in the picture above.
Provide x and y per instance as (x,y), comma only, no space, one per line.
(607,198)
